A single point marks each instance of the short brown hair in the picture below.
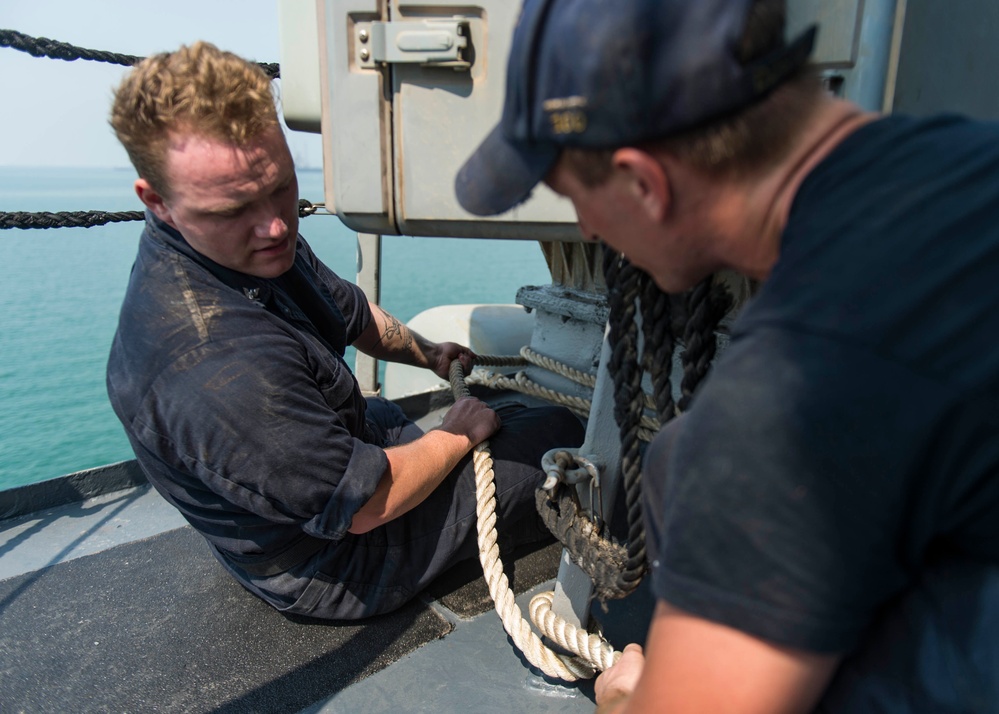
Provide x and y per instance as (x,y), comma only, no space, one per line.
(198,88)
(752,138)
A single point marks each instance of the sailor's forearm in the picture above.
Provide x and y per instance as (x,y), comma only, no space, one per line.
(414,471)
(417,468)
(387,338)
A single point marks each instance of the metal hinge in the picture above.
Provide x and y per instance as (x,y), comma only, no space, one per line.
(437,43)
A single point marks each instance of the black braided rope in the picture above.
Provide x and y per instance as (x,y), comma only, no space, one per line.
(53,49)
(89,219)
(706,306)
(66,219)
(44,47)
(456,376)
(657,351)
(271,69)
(624,284)
(617,571)
(629,288)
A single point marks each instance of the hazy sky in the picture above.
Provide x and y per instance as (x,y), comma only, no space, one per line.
(54,113)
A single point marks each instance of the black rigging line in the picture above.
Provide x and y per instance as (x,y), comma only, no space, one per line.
(89,219)
(53,49)
(65,219)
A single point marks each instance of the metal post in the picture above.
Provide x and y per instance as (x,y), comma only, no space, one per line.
(573,588)
(369,279)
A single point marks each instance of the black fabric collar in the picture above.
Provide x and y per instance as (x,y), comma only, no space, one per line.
(297,296)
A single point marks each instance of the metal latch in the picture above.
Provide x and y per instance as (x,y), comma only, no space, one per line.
(438,43)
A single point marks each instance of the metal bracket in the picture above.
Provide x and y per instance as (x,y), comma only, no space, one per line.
(568,466)
(436,43)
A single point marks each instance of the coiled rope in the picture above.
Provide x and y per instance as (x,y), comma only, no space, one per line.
(591,651)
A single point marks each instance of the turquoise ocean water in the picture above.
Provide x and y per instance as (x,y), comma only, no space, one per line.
(61,290)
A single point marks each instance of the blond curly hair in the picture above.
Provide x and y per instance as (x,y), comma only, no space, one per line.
(198,89)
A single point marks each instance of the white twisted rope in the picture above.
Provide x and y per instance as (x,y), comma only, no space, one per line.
(539,360)
(592,652)
(592,648)
(585,379)
(519,630)
(520,382)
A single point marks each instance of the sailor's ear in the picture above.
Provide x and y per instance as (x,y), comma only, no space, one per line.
(647,179)
(153,200)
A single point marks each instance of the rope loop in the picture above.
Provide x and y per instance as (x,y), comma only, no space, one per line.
(568,466)
(590,647)
(306,208)
(625,285)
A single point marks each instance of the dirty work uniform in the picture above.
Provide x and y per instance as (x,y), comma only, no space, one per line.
(241,411)
(835,485)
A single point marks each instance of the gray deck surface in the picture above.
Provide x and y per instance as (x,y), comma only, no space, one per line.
(158,625)
(108,605)
(473,670)
(113,604)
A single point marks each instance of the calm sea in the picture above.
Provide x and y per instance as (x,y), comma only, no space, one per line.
(61,290)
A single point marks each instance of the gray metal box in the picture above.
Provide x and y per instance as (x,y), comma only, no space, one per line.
(397,124)
(403,92)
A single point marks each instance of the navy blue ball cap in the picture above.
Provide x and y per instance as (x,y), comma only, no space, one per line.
(603,74)
(502,174)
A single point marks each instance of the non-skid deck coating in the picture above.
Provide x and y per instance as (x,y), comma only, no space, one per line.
(463,590)
(158,625)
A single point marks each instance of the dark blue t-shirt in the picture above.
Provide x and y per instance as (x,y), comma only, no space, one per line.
(849,435)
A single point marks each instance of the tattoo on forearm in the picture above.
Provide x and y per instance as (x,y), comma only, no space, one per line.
(395,330)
